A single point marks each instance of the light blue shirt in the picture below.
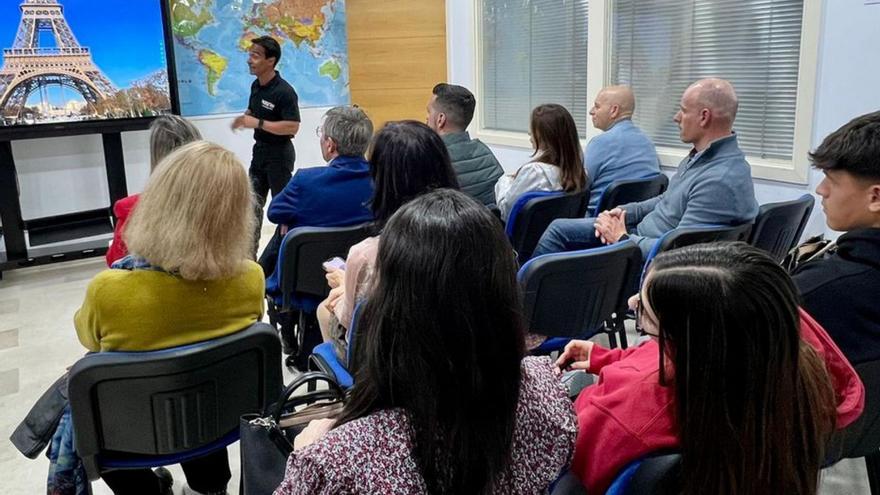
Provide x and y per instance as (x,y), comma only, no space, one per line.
(620,153)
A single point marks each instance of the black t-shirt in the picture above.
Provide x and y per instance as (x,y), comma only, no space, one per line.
(273,102)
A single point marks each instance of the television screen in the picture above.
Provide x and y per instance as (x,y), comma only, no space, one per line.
(77,61)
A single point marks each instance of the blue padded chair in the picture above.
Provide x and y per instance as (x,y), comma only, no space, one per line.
(687,236)
(302,282)
(324,356)
(779,226)
(621,192)
(579,293)
(532,213)
(655,475)
(154,408)
(302,253)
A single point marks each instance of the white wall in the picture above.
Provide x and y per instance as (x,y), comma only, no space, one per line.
(848,78)
(64,175)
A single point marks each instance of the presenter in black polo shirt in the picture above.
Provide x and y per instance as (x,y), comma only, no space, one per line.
(273,113)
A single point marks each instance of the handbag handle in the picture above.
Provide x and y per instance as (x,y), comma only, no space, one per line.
(334,392)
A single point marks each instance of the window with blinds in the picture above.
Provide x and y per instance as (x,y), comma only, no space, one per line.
(533,52)
(659,47)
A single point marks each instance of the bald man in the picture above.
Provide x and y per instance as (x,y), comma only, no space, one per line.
(713,184)
(623,151)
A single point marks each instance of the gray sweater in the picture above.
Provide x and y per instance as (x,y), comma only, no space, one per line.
(475,166)
(711,187)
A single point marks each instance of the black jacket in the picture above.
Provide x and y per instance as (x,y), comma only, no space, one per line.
(842,292)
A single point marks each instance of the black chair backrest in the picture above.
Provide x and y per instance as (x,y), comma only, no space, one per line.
(779,226)
(687,236)
(571,294)
(657,475)
(165,402)
(621,192)
(536,215)
(305,249)
(862,438)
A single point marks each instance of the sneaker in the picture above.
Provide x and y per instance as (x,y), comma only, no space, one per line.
(189,491)
(166,481)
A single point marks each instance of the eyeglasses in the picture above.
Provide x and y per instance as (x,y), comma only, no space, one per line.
(639,312)
(319,131)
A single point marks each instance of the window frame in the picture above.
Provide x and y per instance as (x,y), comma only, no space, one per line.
(795,170)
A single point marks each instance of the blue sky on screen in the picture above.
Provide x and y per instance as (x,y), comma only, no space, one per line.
(125,36)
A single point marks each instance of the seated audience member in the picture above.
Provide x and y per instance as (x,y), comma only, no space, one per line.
(558,163)
(450,112)
(713,184)
(735,383)
(841,290)
(623,151)
(167,133)
(444,400)
(331,196)
(188,279)
(407,160)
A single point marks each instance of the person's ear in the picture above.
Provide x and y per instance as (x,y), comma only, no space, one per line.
(705,117)
(615,112)
(331,145)
(874,198)
(441,120)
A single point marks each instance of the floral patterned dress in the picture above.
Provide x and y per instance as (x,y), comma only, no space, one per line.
(374,454)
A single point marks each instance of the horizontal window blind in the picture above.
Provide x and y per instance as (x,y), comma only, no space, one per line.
(533,52)
(659,47)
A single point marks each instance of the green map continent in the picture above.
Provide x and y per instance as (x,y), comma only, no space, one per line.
(188,17)
(216,66)
(330,69)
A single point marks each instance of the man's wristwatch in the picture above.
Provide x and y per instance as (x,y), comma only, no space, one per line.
(260,124)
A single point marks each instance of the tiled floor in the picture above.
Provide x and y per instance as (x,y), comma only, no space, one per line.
(37,343)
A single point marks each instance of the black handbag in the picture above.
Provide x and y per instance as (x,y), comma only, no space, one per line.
(267,439)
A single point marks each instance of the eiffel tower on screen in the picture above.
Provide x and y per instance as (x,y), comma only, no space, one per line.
(29,68)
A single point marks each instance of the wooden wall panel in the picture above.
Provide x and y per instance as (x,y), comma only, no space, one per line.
(397,53)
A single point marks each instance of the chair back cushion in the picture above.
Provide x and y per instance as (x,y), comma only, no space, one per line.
(536,211)
(622,192)
(170,401)
(572,294)
(303,252)
(778,226)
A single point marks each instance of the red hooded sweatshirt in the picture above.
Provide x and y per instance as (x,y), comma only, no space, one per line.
(628,415)
(122,209)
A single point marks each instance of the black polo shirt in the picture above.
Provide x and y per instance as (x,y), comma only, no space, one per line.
(273,102)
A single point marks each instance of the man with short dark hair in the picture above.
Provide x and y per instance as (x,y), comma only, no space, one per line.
(841,290)
(450,111)
(273,113)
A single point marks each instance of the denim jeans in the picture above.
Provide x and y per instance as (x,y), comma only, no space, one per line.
(568,234)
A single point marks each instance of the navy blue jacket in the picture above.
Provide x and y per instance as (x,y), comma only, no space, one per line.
(331,196)
(841,291)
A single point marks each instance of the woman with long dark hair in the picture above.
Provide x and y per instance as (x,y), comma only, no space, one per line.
(735,377)
(443,400)
(407,159)
(558,163)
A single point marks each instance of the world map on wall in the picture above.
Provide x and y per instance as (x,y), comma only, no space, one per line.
(212,37)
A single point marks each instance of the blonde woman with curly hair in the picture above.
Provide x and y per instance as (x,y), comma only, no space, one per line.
(187,280)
